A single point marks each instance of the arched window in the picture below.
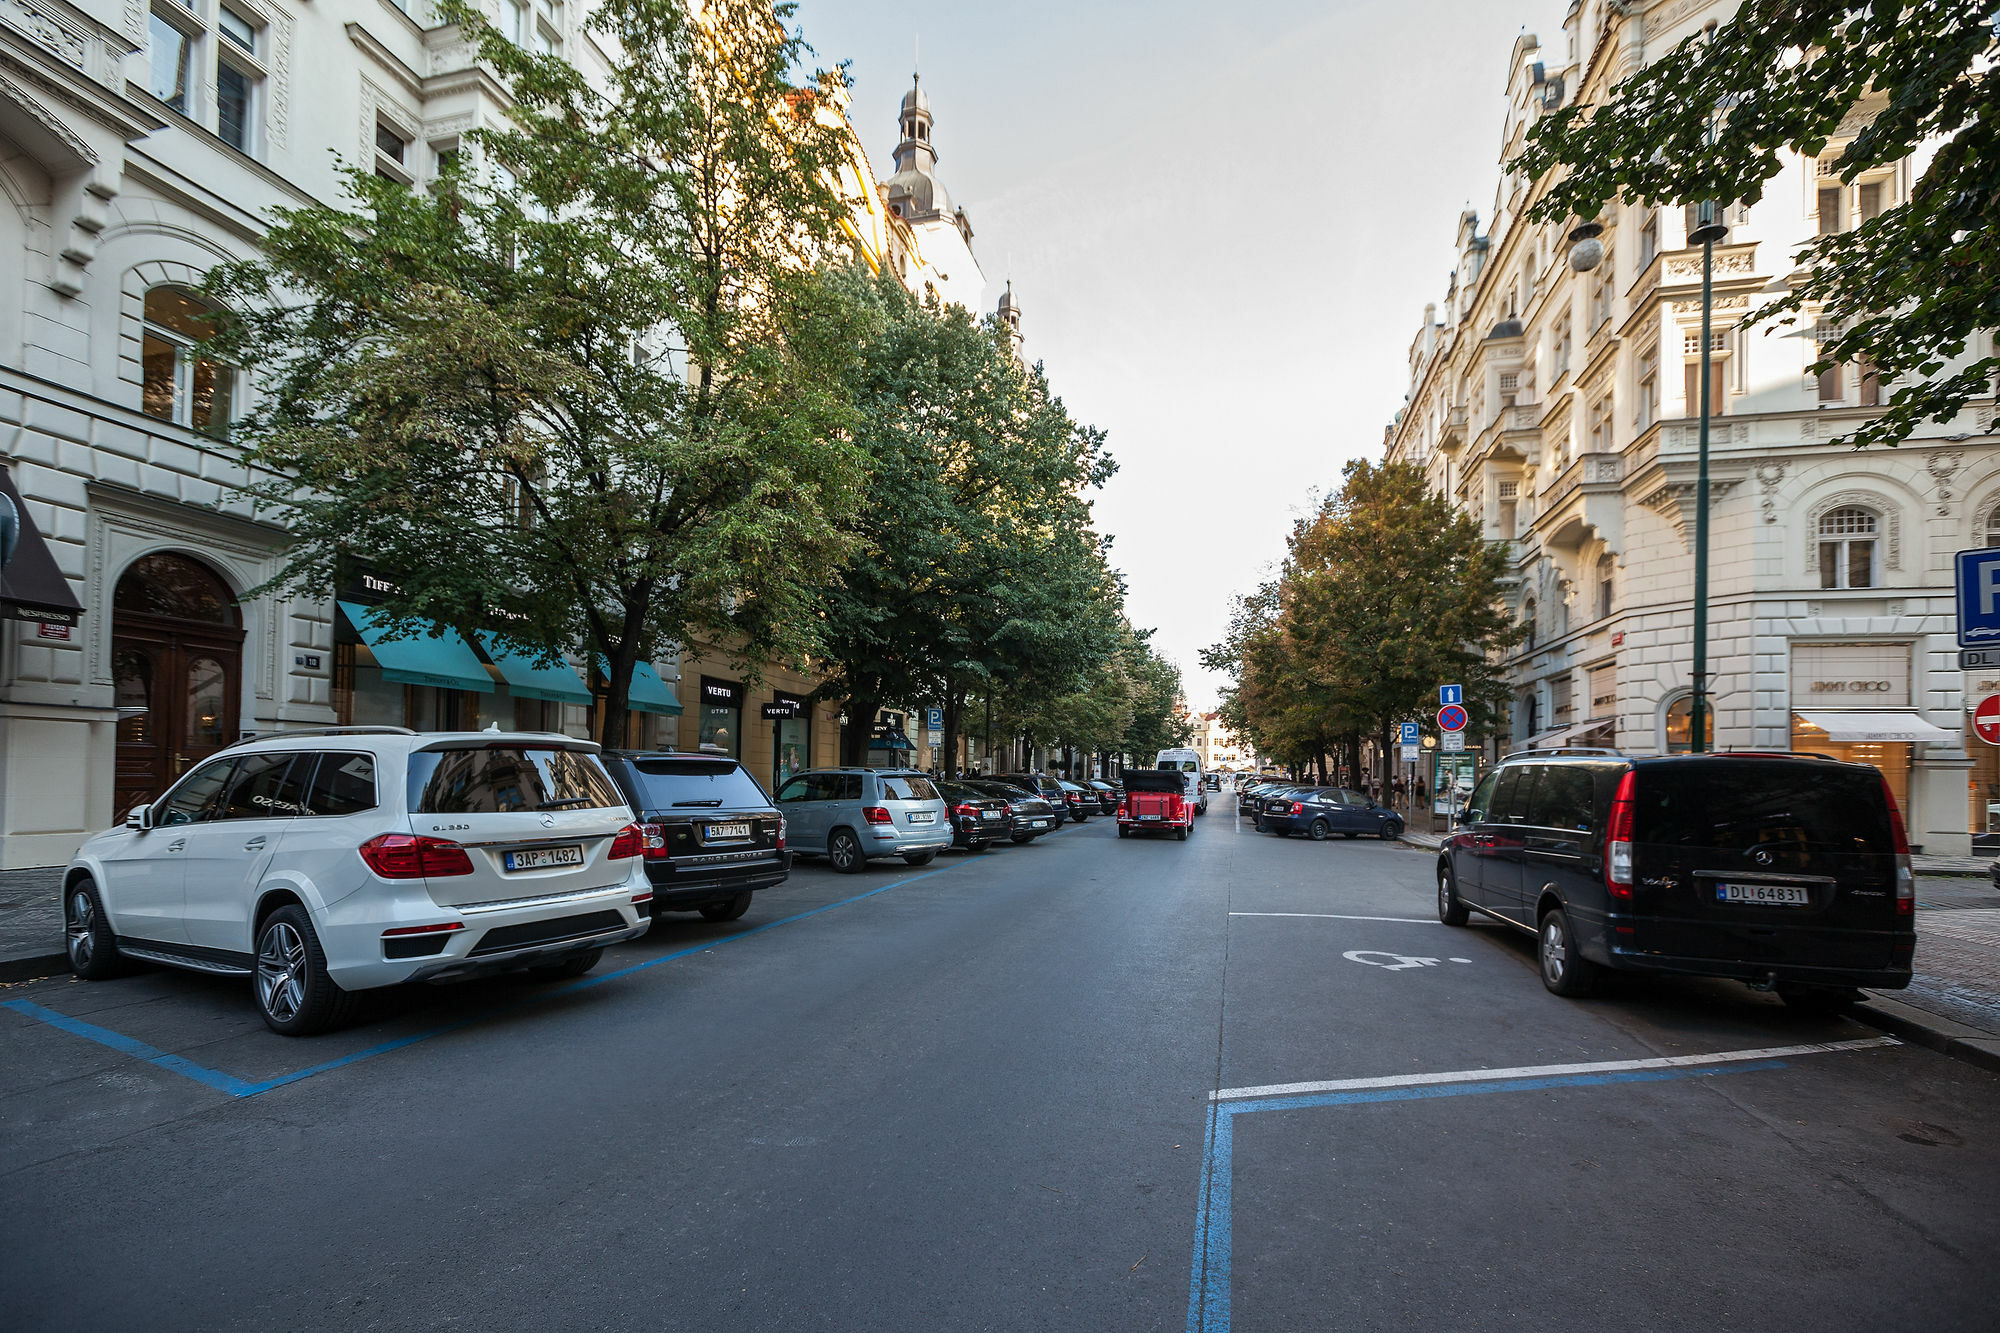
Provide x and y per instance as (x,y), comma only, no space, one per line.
(178,386)
(176,587)
(1528,620)
(1847,548)
(1680,724)
(1992,532)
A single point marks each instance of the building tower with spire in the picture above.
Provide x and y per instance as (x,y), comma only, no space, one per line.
(917,196)
(1010,315)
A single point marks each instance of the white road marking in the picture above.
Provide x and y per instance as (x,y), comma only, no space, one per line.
(1403,962)
(1545,1071)
(1335,916)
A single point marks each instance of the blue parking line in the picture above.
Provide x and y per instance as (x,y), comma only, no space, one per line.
(229,1083)
(1208,1283)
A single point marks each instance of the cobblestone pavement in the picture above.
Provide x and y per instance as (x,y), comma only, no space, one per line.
(1958,953)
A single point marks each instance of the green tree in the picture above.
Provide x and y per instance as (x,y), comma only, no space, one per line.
(973,543)
(1905,291)
(1158,720)
(595,386)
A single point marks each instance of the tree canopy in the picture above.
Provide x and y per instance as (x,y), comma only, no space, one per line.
(1387,593)
(591,390)
(1879,82)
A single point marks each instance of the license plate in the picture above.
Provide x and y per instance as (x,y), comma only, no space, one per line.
(1039,823)
(922,817)
(727,832)
(1149,816)
(541,858)
(989,814)
(1765,895)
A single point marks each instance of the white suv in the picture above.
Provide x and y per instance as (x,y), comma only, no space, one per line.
(322,863)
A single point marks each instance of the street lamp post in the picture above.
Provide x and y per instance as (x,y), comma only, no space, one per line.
(1708,231)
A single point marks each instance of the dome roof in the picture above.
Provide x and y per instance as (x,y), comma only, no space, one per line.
(919,193)
(1507,328)
(915,100)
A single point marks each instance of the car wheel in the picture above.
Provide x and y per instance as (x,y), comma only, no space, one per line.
(294,993)
(576,964)
(727,910)
(1124,830)
(1318,831)
(1180,834)
(1392,830)
(1565,970)
(1450,910)
(1019,839)
(93,953)
(1822,1001)
(843,849)
(920,858)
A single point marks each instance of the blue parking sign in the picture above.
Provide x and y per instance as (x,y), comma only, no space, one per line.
(1410,733)
(1979,598)
(1451,694)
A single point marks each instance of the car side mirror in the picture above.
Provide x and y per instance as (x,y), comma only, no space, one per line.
(139,817)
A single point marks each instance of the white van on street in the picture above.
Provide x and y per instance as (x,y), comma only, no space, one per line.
(1188,764)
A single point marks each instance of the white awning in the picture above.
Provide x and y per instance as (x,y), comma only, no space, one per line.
(1851,728)
(1561,736)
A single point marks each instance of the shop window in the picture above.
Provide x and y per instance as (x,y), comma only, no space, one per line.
(1847,539)
(721,717)
(178,385)
(1680,725)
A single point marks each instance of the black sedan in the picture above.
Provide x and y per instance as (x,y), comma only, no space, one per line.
(1044,786)
(1081,800)
(1251,799)
(1108,795)
(1029,816)
(978,818)
(1321,812)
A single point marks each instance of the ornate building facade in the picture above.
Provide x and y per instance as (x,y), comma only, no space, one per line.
(1560,408)
(141,143)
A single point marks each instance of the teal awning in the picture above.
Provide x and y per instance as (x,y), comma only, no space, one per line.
(443,659)
(528,679)
(649,694)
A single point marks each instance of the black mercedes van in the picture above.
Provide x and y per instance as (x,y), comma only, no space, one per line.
(1786,871)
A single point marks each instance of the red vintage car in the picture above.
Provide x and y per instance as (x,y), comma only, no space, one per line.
(1155,802)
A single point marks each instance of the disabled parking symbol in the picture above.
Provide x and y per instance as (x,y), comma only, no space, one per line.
(1393,962)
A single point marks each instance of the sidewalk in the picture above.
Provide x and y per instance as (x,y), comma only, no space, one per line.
(31,926)
(1953,1002)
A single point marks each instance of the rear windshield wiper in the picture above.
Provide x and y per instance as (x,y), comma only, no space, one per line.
(716,801)
(565,800)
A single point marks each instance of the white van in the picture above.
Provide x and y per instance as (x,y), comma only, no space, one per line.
(1188,764)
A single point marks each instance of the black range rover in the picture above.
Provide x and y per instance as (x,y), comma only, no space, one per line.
(711,835)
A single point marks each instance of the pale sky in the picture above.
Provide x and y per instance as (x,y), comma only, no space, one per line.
(1222,223)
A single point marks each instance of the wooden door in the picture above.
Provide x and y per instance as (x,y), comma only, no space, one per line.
(178,675)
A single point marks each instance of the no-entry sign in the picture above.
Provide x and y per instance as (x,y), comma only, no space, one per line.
(1451,718)
(1986,719)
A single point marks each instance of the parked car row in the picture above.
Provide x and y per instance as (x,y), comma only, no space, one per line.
(1288,808)
(320,864)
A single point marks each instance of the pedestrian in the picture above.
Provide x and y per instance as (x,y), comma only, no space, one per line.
(1420,791)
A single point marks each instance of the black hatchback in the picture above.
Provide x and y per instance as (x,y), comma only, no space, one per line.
(1789,872)
(978,818)
(711,836)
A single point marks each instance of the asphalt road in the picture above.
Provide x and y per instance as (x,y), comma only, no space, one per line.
(982,1097)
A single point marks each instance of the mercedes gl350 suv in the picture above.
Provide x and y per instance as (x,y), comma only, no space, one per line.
(323,863)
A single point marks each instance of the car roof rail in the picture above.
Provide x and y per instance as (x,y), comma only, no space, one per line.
(320,731)
(1559,751)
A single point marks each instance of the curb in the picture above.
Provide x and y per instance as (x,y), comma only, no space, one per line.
(1920,1028)
(34,967)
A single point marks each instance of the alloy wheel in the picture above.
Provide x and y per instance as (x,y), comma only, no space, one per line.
(1444,892)
(82,929)
(281,972)
(1555,948)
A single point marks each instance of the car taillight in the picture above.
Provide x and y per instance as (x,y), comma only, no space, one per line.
(1618,837)
(781,833)
(414,856)
(1906,882)
(966,811)
(652,842)
(1298,807)
(876,814)
(629,843)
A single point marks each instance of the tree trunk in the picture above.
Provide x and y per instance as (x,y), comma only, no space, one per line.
(860,726)
(954,705)
(619,664)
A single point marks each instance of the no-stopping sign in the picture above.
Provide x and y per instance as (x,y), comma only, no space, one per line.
(1451,717)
